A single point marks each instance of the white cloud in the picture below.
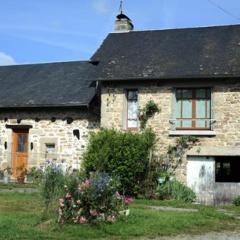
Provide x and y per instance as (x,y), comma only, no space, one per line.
(101,6)
(6,59)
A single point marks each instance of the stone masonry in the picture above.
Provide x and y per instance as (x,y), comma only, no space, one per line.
(225,111)
(48,127)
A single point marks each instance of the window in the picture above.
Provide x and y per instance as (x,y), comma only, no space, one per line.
(193,109)
(22,143)
(50,147)
(132,109)
(227,169)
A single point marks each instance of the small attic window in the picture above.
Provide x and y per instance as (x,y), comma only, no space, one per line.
(76,133)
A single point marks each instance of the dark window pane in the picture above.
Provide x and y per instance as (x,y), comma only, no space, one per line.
(22,143)
(187,93)
(179,93)
(208,93)
(227,169)
(132,95)
(201,93)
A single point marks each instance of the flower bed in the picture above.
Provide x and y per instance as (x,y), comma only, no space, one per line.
(92,200)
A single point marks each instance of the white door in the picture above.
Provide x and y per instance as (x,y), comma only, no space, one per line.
(201,177)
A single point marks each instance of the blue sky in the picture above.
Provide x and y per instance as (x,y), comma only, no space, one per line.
(33,31)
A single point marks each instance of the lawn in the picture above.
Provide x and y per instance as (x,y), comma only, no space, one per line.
(20,217)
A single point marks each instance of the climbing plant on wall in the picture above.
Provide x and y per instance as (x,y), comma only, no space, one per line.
(147,112)
(175,153)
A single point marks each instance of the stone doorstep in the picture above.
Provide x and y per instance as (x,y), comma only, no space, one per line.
(172,209)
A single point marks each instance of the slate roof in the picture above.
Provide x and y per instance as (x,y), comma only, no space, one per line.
(208,52)
(63,84)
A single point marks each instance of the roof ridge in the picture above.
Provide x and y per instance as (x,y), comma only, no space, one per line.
(180,28)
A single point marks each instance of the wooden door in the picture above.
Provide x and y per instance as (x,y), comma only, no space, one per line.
(19,151)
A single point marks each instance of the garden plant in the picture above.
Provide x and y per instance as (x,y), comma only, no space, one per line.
(92,200)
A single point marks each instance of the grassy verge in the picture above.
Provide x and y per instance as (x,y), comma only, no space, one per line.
(20,215)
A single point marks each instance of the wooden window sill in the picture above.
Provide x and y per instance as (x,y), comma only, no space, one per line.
(192,133)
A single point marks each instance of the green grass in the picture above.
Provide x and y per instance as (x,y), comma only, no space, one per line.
(20,216)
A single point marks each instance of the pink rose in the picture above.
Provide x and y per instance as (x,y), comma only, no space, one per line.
(128,200)
(68,196)
(78,202)
(93,212)
(82,220)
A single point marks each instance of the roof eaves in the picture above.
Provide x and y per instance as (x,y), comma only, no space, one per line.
(45,106)
(168,77)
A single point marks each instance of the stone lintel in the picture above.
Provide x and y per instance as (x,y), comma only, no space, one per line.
(214,151)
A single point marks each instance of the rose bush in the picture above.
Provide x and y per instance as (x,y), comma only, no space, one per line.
(92,200)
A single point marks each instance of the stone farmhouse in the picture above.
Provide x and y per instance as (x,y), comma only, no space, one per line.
(193,75)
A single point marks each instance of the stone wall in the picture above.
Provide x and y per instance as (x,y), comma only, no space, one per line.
(48,127)
(225,108)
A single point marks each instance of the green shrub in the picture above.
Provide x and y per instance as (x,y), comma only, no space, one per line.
(175,190)
(236,201)
(121,155)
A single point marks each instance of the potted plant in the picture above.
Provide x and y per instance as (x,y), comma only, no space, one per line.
(22,172)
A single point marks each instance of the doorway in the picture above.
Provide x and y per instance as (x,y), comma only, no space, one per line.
(19,151)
